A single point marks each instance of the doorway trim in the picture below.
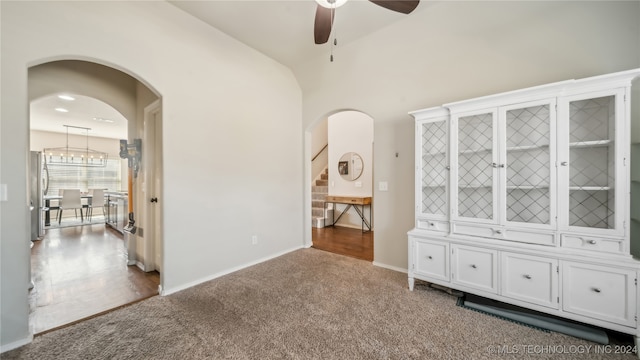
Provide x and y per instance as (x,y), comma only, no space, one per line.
(307,169)
(152,187)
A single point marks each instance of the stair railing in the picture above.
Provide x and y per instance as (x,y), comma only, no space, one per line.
(319,152)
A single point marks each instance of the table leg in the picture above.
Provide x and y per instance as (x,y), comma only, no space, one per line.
(364,220)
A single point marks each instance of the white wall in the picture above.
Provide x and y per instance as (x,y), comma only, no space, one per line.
(448,51)
(231,125)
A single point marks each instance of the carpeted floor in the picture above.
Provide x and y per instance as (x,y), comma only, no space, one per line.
(308,304)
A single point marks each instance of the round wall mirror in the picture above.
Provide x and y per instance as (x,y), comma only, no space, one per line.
(350,166)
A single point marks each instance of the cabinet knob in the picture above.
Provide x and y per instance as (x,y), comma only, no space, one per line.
(448,167)
(596,290)
(564,163)
(498,231)
(429,257)
(527,276)
(592,242)
(494,165)
(431,224)
(474,266)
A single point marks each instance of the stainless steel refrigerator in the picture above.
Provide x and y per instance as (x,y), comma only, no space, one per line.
(36,185)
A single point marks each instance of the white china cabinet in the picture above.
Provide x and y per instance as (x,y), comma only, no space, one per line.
(524,197)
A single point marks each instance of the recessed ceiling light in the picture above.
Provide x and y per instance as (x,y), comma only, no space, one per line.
(62,110)
(102,119)
(66,97)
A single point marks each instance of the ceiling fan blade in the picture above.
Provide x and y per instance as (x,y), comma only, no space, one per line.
(322,25)
(401,6)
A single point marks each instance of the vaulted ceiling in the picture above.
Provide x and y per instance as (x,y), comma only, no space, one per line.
(280,29)
(283,29)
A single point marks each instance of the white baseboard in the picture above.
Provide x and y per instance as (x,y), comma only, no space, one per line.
(390,267)
(16,344)
(140,266)
(169,291)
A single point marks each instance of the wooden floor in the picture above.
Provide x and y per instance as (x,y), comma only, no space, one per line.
(80,272)
(344,241)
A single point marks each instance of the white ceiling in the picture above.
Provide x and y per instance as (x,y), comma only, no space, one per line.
(283,29)
(280,29)
(84,111)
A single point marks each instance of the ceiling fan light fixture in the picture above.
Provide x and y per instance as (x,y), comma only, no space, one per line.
(331,4)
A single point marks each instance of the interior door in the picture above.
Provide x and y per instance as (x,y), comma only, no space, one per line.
(152,160)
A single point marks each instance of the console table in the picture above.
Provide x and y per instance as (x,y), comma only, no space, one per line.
(350,201)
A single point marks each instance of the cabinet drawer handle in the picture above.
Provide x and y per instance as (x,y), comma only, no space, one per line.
(474,266)
(592,242)
(527,276)
(596,290)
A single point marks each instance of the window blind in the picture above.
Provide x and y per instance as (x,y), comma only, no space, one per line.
(84,178)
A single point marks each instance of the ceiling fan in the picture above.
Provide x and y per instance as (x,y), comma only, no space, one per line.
(325,12)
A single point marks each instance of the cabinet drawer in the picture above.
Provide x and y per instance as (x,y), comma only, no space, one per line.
(599,292)
(531,237)
(530,278)
(615,246)
(502,233)
(475,267)
(432,259)
(479,230)
(440,226)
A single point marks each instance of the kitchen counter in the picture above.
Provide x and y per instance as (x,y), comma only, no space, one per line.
(117,208)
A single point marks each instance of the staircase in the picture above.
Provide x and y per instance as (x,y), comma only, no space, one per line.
(318,193)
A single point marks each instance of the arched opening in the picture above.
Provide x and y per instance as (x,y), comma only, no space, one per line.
(93,266)
(341,187)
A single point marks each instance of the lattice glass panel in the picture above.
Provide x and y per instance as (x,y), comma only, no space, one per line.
(592,209)
(434,171)
(475,173)
(528,163)
(592,119)
(592,163)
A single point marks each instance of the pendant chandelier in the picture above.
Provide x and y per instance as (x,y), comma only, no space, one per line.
(74,156)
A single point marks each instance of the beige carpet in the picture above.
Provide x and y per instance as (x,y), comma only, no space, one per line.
(308,304)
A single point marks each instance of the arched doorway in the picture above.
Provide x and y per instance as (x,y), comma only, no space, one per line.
(347,224)
(82,80)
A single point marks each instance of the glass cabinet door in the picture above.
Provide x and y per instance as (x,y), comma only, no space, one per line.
(592,161)
(475,166)
(529,175)
(435,168)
